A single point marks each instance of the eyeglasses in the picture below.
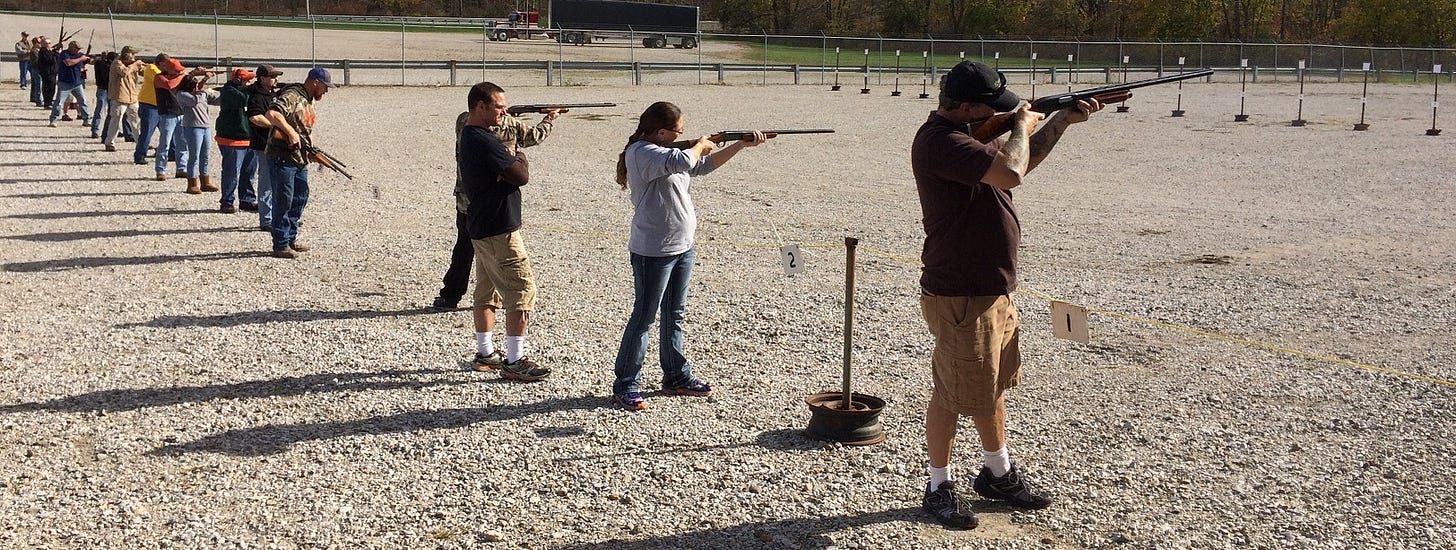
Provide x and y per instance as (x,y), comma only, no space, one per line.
(674,130)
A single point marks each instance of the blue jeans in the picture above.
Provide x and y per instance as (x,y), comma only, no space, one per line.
(657,282)
(265,189)
(199,151)
(101,105)
(290,195)
(24,72)
(76,89)
(167,137)
(35,86)
(237,175)
(148,116)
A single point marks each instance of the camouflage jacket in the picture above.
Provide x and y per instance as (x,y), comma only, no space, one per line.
(297,108)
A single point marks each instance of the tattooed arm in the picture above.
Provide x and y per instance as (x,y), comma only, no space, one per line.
(1045,139)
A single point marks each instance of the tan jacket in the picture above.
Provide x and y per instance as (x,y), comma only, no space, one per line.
(123,86)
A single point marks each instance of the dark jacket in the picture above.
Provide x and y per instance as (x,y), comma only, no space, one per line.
(232,117)
(46,62)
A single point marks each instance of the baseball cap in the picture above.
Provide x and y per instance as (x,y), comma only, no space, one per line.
(128,50)
(173,64)
(977,83)
(243,74)
(320,74)
(267,70)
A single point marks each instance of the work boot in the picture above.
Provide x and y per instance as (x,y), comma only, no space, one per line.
(192,188)
(161,177)
(207,184)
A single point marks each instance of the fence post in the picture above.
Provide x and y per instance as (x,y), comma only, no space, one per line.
(550,69)
(452,72)
(636,73)
(346,72)
(1107,75)
(1255,74)
(796,73)
(1053,71)
(720,74)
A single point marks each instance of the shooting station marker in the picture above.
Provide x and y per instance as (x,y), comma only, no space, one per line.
(843,416)
(835,88)
(896,92)
(1243,90)
(1071,75)
(1299,117)
(1122,107)
(925,75)
(792,259)
(866,88)
(1032,74)
(1069,322)
(1364,91)
(1178,109)
(1435,100)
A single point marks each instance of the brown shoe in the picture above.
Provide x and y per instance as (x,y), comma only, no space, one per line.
(192,188)
(181,175)
(227,209)
(207,184)
(285,253)
(300,246)
(161,177)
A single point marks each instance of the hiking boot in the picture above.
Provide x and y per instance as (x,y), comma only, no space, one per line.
(694,387)
(207,183)
(488,362)
(285,253)
(192,188)
(948,508)
(524,369)
(1010,488)
(301,246)
(228,209)
(249,206)
(161,177)
(630,401)
(443,304)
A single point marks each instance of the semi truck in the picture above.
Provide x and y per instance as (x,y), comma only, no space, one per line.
(657,25)
(519,25)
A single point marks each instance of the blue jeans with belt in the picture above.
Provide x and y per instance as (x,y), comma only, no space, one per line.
(148,115)
(24,72)
(658,283)
(290,195)
(169,138)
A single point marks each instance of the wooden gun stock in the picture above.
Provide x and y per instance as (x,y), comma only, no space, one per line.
(739,135)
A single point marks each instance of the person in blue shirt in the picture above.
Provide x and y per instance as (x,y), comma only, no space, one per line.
(70,82)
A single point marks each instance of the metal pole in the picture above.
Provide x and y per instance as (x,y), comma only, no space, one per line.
(113,32)
(485,36)
(823,56)
(1435,99)
(1364,91)
(1243,89)
(401,51)
(312,31)
(215,57)
(561,57)
(849,244)
(700,57)
(880,62)
(765,57)
(1299,115)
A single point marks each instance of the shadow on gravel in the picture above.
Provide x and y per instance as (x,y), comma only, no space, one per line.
(75,180)
(274,439)
(787,439)
(269,316)
(784,533)
(83,235)
(105,213)
(329,382)
(74,165)
(89,262)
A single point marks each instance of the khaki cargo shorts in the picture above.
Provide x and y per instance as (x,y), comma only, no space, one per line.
(503,273)
(977,354)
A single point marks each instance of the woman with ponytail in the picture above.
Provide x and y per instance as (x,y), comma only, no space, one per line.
(657,170)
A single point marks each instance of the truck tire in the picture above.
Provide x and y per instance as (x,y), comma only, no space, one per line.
(580,38)
(658,42)
(689,42)
(502,36)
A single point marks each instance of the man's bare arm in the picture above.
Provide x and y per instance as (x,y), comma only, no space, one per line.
(1046,138)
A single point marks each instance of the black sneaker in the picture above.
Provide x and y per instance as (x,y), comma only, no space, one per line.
(525,370)
(949,508)
(487,363)
(1010,488)
(442,304)
(249,207)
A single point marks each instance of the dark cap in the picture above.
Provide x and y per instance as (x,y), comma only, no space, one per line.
(267,70)
(128,50)
(320,74)
(977,83)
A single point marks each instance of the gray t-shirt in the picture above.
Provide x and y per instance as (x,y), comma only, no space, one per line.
(194,108)
(663,220)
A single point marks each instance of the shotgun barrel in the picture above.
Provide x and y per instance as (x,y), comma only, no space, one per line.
(517,110)
(1053,103)
(739,135)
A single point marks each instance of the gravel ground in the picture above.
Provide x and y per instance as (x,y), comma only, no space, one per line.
(166,384)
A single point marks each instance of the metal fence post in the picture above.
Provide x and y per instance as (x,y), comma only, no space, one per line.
(452,65)
(401,51)
(346,72)
(720,74)
(636,73)
(765,58)
(549,71)
(796,73)
(823,56)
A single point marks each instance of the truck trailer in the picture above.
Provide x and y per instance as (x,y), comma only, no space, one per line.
(657,25)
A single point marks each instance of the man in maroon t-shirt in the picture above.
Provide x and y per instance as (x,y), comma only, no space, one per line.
(971,237)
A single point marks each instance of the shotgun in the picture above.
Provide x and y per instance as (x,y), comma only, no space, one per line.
(1053,103)
(518,110)
(740,135)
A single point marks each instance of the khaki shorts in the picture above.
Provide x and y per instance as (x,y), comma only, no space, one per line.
(977,354)
(503,273)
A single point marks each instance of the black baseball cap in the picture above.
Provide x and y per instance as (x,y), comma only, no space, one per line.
(977,83)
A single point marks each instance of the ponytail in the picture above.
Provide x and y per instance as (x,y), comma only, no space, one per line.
(658,116)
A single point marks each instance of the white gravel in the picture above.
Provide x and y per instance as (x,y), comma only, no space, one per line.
(165,384)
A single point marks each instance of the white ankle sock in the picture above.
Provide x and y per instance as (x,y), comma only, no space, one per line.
(515,348)
(484,345)
(938,476)
(999,462)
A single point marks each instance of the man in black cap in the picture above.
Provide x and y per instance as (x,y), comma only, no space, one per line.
(260,97)
(292,116)
(971,236)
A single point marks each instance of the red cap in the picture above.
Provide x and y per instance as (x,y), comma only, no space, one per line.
(174,65)
(243,74)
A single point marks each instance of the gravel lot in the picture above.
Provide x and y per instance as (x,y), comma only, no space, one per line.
(166,384)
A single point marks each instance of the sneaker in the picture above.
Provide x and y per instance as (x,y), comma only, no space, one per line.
(249,207)
(161,177)
(53,124)
(488,362)
(264,227)
(94,135)
(442,304)
(1011,488)
(630,401)
(948,508)
(227,209)
(694,387)
(524,369)
(301,246)
(285,253)
(110,148)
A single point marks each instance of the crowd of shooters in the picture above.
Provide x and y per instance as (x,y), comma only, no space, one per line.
(978,145)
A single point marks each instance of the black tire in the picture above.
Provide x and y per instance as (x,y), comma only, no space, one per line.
(658,42)
(689,42)
(502,36)
(647,42)
(580,38)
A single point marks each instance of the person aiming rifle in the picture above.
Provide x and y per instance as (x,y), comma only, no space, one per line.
(726,136)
